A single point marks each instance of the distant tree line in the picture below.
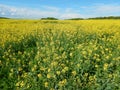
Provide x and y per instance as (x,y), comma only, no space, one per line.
(75,19)
(109,17)
(4,18)
(49,18)
(53,18)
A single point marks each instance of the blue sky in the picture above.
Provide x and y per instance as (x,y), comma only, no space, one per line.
(61,9)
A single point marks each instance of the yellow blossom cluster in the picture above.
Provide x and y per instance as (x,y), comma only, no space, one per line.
(59,55)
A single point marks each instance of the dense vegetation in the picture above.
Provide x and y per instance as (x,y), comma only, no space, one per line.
(49,18)
(76,19)
(95,18)
(4,18)
(109,17)
(59,55)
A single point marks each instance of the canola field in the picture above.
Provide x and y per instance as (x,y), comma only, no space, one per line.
(59,55)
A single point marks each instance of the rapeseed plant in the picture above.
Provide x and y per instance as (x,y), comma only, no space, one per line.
(63,55)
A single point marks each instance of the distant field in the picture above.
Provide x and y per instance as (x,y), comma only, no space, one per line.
(59,54)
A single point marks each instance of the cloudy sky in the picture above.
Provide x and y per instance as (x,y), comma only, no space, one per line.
(61,9)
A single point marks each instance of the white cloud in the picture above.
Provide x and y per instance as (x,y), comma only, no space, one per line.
(27,12)
(2,13)
(106,9)
(97,10)
(62,13)
(44,11)
(70,15)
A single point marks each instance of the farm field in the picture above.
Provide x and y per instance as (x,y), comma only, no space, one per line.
(59,54)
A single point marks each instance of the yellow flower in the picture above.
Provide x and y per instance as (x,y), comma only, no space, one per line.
(106,49)
(33,69)
(42,69)
(39,75)
(92,78)
(28,86)
(66,68)
(46,84)
(49,70)
(63,71)
(19,69)
(107,57)
(105,66)
(63,82)
(86,74)
(71,54)
(84,52)
(54,63)
(10,74)
(11,70)
(17,84)
(96,66)
(52,89)
(25,74)
(78,65)
(19,52)
(97,59)
(74,73)
(0,62)
(22,84)
(48,75)
(58,72)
